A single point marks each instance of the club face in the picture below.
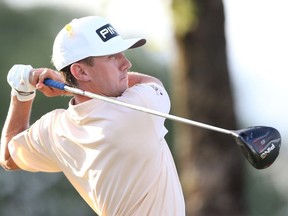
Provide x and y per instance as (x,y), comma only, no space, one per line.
(260,145)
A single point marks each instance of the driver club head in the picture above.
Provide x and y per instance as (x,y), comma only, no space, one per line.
(260,145)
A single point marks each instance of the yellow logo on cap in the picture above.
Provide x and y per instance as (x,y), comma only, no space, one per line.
(68,28)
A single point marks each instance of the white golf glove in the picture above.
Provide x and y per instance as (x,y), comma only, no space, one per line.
(18,79)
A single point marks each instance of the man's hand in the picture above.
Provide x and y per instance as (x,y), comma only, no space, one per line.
(37,77)
(24,80)
(18,79)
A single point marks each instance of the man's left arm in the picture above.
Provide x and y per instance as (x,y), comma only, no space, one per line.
(138,78)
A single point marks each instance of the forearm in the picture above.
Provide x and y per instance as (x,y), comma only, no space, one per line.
(138,78)
(17,121)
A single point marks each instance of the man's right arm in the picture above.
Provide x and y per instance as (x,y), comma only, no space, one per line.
(17,121)
(23,79)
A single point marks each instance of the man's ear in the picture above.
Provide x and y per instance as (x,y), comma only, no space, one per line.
(79,72)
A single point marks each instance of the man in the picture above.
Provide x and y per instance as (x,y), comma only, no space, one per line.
(115,157)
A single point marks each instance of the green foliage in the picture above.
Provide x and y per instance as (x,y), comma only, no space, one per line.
(185,16)
(26,38)
(29,194)
(262,196)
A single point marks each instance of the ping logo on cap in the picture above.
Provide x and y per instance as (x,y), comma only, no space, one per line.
(106,32)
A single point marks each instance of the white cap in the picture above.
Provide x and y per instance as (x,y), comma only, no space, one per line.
(89,36)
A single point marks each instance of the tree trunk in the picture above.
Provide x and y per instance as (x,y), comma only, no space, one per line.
(210,163)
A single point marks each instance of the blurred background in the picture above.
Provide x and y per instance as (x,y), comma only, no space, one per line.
(222,62)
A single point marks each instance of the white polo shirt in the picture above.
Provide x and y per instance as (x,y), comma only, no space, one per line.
(115,157)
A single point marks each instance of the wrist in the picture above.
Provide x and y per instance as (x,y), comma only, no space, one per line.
(23,96)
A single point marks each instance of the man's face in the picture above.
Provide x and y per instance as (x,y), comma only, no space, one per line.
(109,74)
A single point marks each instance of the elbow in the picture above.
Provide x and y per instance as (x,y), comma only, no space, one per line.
(6,161)
(9,164)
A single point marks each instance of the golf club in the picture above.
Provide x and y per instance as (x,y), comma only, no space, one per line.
(260,144)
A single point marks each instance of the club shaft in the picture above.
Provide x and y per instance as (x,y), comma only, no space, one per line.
(73,90)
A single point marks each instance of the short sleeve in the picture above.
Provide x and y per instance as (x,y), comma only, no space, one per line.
(29,151)
(151,96)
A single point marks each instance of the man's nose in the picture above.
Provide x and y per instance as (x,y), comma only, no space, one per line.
(125,63)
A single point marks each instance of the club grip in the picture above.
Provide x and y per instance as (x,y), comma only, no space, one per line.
(55,84)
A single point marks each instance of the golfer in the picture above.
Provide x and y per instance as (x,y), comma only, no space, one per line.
(115,157)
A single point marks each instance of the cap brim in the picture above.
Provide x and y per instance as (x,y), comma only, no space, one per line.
(139,43)
(118,45)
